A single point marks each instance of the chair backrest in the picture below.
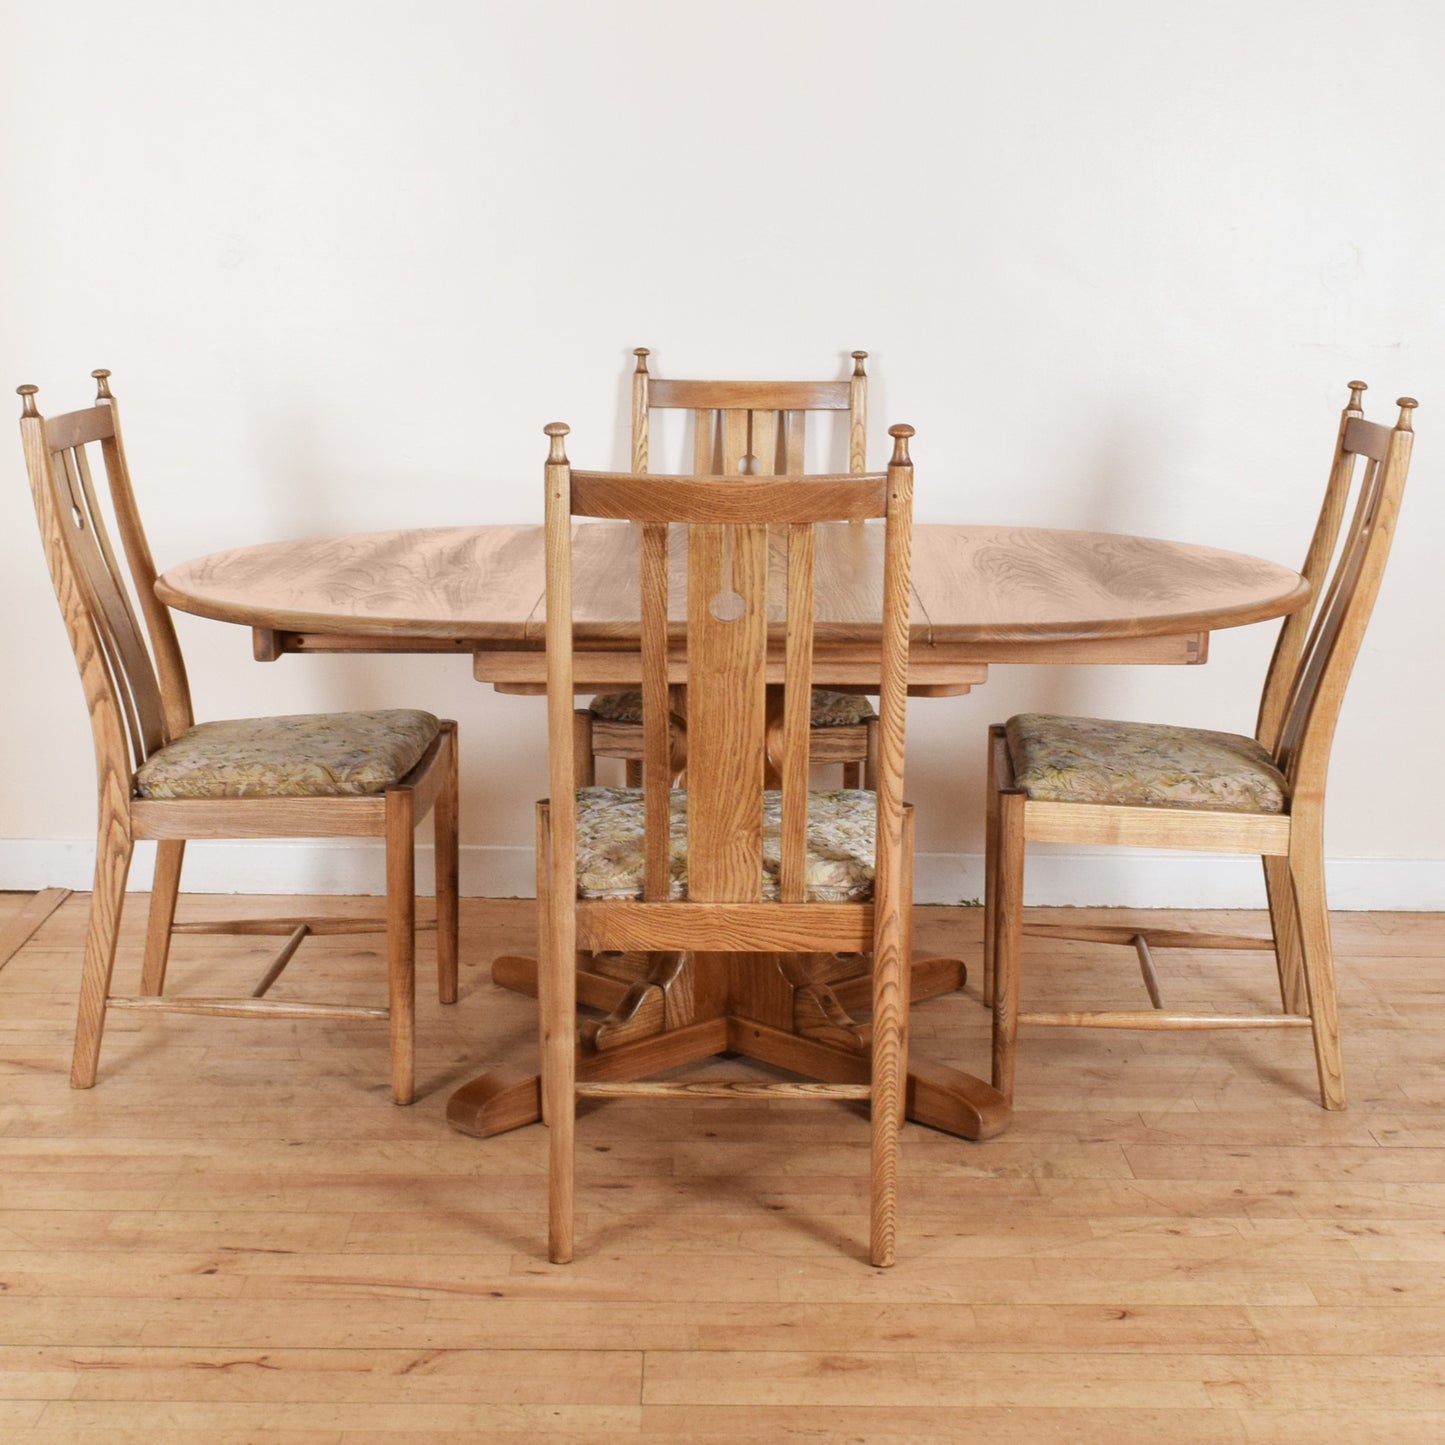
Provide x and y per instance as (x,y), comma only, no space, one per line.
(722,538)
(137,694)
(1317,646)
(752,428)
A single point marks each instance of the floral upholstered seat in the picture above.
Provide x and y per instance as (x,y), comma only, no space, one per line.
(307,755)
(1095,760)
(830,709)
(841,847)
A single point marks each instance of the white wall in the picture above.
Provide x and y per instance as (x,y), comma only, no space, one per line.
(1115,261)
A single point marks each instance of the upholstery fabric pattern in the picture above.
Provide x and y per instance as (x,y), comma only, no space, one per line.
(1097,760)
(830,709)
(841,844)
(307,755)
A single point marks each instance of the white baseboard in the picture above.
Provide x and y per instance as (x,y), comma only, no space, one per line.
(1123,878)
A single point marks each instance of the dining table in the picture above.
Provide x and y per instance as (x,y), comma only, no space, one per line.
(981,596)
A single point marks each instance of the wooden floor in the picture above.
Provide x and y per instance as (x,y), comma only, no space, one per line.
(235,1237)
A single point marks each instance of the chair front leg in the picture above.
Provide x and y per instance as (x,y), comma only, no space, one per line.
(401,940)
(445,813)
(1008,932)
(170,853)
(113,849)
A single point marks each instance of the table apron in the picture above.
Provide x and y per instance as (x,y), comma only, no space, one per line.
(942,665)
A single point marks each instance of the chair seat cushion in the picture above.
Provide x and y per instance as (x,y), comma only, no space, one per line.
(1095,760)
(841,831)
(308,755)
(830,709)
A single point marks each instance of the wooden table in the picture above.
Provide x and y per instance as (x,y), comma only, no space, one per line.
(981,595)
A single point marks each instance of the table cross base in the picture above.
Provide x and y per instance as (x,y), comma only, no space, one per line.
(786,1010)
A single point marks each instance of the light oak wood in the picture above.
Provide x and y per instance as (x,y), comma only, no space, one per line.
(977,593)
(139,701)
(1303,691)
(737,739)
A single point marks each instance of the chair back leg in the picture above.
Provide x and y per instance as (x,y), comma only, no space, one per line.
(1307,875)
(557,1013)
(1285,932)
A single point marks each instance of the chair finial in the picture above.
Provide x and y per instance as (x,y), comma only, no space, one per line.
(28,392)
(1357,395)
(102,384)
(1407,404)
(859,357)
(641,353)
(900,435)
(557,430)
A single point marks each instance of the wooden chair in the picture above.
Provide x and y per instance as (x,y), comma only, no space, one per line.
(1081,780)
(160,777)
(669,870)
(746,428)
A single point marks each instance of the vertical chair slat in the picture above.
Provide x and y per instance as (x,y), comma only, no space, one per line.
(140,666)
(764,443)
(1326,618)
(704,442)
(734,441)
(727,657)
(1330,618)
(797,709)
(1295,629)
(126,654)
(794,442)
(656,721)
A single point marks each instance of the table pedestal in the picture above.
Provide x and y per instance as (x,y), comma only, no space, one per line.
(786,1010)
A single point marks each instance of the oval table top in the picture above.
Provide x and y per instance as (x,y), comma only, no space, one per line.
(971,584)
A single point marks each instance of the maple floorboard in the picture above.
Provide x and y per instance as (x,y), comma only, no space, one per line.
(236,1237)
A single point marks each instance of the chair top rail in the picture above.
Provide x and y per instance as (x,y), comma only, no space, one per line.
(626,496)
(1367,438)
(77,428)
(749,395)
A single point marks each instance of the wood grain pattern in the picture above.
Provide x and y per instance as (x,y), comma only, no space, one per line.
(1019,590)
